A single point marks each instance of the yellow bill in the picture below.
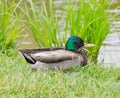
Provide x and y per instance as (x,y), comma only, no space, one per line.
(87,46)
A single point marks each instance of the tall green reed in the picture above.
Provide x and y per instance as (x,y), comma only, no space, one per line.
(89,19)
(9,23)
(43,24)
(85,18)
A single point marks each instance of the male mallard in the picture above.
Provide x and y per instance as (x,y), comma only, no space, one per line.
(57,58)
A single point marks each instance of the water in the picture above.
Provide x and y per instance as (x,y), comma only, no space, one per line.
(109,53)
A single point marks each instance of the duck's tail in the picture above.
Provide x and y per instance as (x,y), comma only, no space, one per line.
(27,56)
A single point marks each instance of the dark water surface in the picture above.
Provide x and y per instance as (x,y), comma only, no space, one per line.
(109,53)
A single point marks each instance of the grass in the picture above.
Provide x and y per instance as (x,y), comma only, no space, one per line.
(87,19)
(10,26)
(42,24)
(17,79)
(90,21)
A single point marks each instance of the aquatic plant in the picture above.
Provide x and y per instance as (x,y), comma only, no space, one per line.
(44,25)
(90,21)
(9,27)
(85,18)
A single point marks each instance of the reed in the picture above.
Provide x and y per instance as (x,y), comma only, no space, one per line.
(90,21)
(42,24)
(85,18)
(9,27)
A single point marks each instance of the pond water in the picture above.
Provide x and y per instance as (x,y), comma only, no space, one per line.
(109,53)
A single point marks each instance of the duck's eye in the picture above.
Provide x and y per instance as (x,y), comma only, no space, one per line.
(78,44)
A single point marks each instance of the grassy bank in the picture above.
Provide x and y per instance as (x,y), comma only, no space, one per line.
(18,80)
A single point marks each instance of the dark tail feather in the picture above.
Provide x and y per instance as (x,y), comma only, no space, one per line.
(28,57)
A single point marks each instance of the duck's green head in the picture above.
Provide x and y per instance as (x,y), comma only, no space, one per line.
(74,43)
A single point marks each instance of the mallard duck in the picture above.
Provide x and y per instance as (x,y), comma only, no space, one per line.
(57,58)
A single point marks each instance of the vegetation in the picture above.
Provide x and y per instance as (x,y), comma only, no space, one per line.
(88,20)
(42,24)
(92,81)
(10,26)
